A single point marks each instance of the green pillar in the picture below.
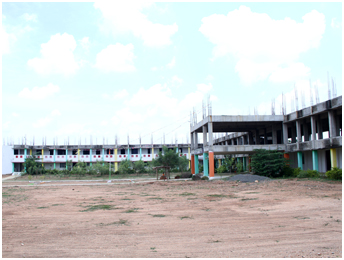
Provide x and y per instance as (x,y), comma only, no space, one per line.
(244,164)
(315,160)
(54,159)
(12,167)
(206,164)
(90,157)
(196,164)
(140,153)
(299,160)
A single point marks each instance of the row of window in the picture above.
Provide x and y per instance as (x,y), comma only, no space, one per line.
(87,151)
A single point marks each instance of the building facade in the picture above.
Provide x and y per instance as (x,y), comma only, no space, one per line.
(311,137)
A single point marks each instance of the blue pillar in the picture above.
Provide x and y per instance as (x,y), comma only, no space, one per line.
(196,164)
(103,155)
(299,160)
(205,164)
(315,160)
(54,159)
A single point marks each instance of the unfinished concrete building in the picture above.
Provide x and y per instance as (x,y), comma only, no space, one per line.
(311,137)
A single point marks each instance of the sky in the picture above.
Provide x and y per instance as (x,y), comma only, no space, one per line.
(88,72)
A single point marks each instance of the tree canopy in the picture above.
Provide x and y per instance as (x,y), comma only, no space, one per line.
(267,162)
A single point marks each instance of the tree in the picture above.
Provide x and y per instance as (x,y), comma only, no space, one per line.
(32,166)
(183,163)
(139,166)
(228,163)
(267,162)
(168,158)
(125,167)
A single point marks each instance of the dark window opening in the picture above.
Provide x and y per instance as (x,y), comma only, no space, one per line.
(122,151)
(148,150)
(16,152)
(97,151)
(180,150)
(51,152)
(61,152)
(109,151)
(160,149)
(38,152)
(86,152)
(134,151)
(75,152)
(62,165)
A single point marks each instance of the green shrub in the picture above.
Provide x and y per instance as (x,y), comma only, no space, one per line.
(54,171)
(267,163)
(221,169)
(116,172)
(240,167)
(287,171)
(334,174)
(196,177)
(308,174)
(205,178)
(296,171)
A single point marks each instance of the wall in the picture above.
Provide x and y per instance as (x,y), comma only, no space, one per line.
(7,156)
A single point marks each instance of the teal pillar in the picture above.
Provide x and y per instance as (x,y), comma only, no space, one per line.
(140,153)
(66,159)
(54,159)
(12,167)
(196,164)
(25,153)
(315,160)
(103,156)
(299,160)
(206,164)
(128,154)
(90,157)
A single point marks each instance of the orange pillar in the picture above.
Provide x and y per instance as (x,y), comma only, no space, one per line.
(192,164)
(286,156)
(249,164)
(211,164)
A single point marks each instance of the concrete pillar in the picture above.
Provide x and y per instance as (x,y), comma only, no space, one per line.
(30,152)
(232,141)
(42,157)
(320,128)
(211,164)
(219,163)
(205,164)
(116,163)
(54,159)
(196,164)
(103,155)
(244,164)
(192,164)
(249,164)
(305,131)
(293,133)
(331,124)
(67,158)
(210,133)
(313,128)
(196,140)
(315,160)
(299,160)
(25,153)
(298,131)
(265,137)
(274,134)
(285,133)
(189,156)
(141,153)
(333,154)
(257,137)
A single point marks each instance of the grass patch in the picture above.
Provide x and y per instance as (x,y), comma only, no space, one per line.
(57,205)
(131,210)
(217,195)
(185,217)
(159,216)
(98,207)
(302,217)
(249,199)
(157,198)
(42,207)
(127,199)
(117,223)
(187,194)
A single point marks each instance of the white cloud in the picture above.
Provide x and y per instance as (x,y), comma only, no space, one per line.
(42,122)
(7,39)
(127,16)
(117,58)
(204,88)
(85,43)
(56,56)
(30,17)
(15,114)
(38,93)
(209,78)
(335,23)
(176,81)
(55,112)
(116,95)
(172,63)
(260,44)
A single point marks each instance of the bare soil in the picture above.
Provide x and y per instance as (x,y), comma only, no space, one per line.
(159,219)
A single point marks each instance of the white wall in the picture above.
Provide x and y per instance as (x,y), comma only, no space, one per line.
(7,156)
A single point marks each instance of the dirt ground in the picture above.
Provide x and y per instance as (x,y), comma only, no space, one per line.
(160,219)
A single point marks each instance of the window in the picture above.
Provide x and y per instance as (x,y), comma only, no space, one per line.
(122,151)
(86,152)
(38,152)
(109,151)
(62,165)
(51,152)
(74,152)
(148,150)
(134,151)
(160,149)
(97,151)
(16,152)
(180,150)
(61,152)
